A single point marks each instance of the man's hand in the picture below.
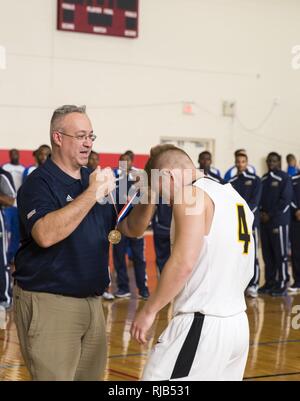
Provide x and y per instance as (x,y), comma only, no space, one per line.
(264,217)
(6,200)
(102,183)
(141,325)
(297,215)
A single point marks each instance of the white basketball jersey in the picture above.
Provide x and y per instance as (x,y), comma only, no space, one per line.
(226,263)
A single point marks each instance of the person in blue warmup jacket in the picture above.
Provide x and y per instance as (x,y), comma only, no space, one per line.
(161,225)
(295,234)
(7,198)
(292,165)
(276,199)
(248,185)
(124,175)
(205,161)
(233,170)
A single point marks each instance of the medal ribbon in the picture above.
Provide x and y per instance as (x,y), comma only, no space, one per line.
(126,208)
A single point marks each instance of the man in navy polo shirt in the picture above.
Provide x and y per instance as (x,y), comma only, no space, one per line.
(61,267)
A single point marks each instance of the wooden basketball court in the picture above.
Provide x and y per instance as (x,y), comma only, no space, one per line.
(274,344)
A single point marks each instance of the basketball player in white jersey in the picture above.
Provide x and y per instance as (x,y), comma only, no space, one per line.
(210,266)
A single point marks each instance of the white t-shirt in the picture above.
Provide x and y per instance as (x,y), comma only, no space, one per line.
(17,173)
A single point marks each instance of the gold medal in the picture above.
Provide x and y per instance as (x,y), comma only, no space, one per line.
(114,237)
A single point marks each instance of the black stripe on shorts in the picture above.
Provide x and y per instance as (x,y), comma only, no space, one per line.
(187,353)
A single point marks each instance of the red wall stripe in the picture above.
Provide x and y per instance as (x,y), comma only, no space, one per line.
(106,159)
(26,157)
(112,160)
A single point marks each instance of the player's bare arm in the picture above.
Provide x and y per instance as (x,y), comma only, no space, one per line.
(189,234)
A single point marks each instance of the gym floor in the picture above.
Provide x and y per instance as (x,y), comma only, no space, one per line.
(274,343)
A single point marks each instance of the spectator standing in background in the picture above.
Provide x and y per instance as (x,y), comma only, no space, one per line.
(137,245)
(292,165)
(277,193)
(41,155)
(131,157)
(93,162)
(7,198)
(11,213)
(295,234)
(233,170)
(249,187)
(205,160)
(15,168)
(161,225)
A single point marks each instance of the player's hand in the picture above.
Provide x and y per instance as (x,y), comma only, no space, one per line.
(297,215)
(141,325)
(102,182)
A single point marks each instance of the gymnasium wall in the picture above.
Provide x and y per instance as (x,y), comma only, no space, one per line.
(105,159)
(201,51)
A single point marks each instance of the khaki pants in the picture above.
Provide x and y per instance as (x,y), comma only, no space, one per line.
(61,338)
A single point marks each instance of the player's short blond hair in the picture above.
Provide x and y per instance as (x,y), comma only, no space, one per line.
(158,152)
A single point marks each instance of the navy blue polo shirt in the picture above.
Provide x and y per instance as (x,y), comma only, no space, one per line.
(76,266)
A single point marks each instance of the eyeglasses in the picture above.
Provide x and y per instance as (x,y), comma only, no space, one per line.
(81,138)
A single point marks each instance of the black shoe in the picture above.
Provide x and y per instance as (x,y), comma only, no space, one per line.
(279,291)
(144,294)
(266,288)
(122,294)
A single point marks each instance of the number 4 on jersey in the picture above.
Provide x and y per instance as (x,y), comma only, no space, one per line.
(243,232)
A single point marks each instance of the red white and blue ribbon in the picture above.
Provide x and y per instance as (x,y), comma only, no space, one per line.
(126,209)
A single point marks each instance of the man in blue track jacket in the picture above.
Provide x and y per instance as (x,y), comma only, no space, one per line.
(295,234)
(275,219)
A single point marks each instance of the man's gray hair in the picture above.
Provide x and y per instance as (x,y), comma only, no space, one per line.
(63,111)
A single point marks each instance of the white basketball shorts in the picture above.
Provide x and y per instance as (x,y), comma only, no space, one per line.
(197,347)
